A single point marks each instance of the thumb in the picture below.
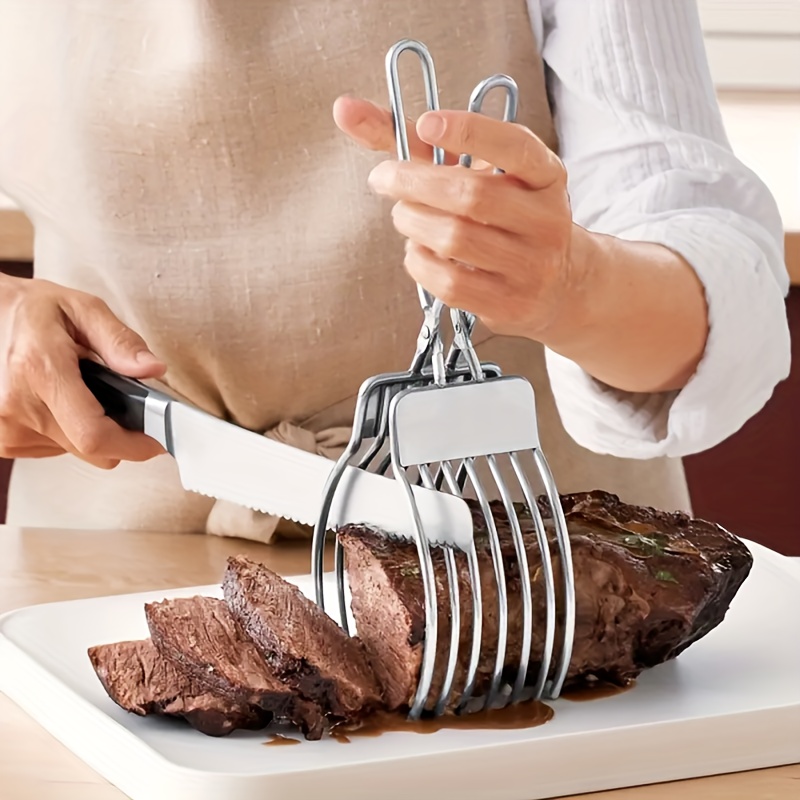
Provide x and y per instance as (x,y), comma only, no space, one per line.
(122,349)
(364,122)
(372,127)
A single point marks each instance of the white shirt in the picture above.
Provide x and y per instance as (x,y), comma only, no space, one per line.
(638,122)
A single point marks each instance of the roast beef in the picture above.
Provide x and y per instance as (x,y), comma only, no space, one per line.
(203,640)
(139,680)
(304,647)
(648,584)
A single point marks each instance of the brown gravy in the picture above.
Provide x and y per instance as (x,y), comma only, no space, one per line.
(529,714)
(525,715)
(596,690)
(278,739)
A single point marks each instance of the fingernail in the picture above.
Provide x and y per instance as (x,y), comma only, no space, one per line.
(379,176)
(431,127)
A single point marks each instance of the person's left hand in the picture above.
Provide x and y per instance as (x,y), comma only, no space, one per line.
(497,245)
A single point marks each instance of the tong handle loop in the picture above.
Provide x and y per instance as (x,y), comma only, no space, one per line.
(429,341)
(464,322)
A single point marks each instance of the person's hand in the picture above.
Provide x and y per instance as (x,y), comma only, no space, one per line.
(45,407)
(499,246)
(505,247)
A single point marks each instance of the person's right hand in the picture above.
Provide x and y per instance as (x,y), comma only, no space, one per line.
(45,407)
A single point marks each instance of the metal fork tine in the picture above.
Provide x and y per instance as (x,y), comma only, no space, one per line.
(458,482)
(455,628)
(500,579)
(320,530)
(456,488)
(455,610)
(547,570)
(525,579)
(477,627)
(429,589)
(385,464)
(362,416)
(365,462)
(382,434)
(567,572)
(338,568)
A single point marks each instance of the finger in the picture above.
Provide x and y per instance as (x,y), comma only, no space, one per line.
(18,441)
(33,452)
(85,452)
(451,237)
(372,127)
(23,441)
(122,349)
(513,148)
(76,421)
(457,285)
(498,200)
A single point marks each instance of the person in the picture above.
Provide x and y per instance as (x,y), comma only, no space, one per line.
(200,223)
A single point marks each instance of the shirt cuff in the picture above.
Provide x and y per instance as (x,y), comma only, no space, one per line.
(747,353)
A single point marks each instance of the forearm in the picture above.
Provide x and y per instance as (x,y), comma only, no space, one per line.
(637,317)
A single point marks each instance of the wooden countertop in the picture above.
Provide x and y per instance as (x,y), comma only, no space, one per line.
(39,566)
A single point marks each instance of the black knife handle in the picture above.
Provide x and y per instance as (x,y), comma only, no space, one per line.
(123,399)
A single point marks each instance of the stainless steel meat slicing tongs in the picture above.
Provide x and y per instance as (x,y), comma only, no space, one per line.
(222,460)
(450,427)
(441,425)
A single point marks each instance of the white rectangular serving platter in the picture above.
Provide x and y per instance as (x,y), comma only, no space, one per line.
(730,703)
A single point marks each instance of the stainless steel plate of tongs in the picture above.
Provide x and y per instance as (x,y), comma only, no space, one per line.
(452,424)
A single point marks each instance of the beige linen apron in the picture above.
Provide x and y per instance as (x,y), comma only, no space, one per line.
(179,160)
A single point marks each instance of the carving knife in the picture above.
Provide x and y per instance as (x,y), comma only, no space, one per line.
(228,462)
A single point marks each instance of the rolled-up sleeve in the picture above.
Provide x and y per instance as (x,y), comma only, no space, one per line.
(648,160)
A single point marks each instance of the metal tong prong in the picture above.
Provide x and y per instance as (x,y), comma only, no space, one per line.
(510,434)
(429,342)
(462,345)
(463,322)
(372,407)
(463,325)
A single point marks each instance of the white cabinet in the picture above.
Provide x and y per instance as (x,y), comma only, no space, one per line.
(753,44)
(751,17)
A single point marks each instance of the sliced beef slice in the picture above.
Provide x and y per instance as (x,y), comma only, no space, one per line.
(139,680)
(648,585)
(304,647)
(201,638)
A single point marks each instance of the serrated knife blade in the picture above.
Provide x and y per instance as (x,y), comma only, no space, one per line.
(227,462)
